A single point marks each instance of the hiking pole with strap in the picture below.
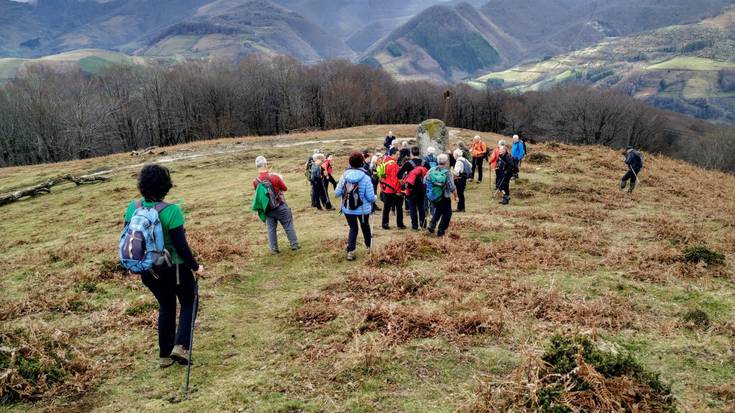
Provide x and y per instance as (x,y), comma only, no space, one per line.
(191,335)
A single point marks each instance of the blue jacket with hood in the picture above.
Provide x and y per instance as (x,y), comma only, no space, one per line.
(518,151)
(365,190)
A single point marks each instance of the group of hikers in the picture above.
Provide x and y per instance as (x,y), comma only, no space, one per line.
(398,175)
(153,242)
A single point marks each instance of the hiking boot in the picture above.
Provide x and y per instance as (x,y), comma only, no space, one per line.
(632,187)
(623,184)
(402,227)
(505,201)
(459,210)
(430,229)
(386,227)
(275,252)
(351,256)
(329,207)
(295,247)
(439,234)
(180,355)
(165,362)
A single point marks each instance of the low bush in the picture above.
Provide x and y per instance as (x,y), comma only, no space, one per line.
(576,375)
(703,254)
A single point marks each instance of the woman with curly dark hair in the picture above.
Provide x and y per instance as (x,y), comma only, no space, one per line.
(177,277)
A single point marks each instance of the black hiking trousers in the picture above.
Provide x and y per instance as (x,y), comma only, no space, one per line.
(442,216)
(358,222)
(630,176)
(167,290)
(393,201)
(477,166)
(417,209)
(319,194)
(461,184)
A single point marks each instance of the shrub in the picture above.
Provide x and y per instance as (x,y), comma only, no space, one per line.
(696,318)
(703,254)
(141,308)
(574,374)
(538,157)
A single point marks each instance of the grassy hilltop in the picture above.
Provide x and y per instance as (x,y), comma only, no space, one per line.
(437,330)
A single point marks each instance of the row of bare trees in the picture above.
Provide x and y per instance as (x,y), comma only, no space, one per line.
(49,116)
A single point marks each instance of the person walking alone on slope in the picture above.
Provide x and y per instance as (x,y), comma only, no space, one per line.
(175,279)
(271,206)
(518,152)
(439,190)
(479,153)
(461,172)
(504,170)
(634,161)
(356,191)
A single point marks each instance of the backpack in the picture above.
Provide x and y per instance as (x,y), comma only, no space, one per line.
(466,169)
(431,160)
(273,200)
(351,196)
(309,164)
(380,170)
(435,183)
(141,241)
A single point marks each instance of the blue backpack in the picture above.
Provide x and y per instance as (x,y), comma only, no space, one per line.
(431,160)
(141,242)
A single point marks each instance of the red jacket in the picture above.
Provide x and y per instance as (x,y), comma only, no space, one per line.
(415,179)
(327,166)
(391,184)
(276,181)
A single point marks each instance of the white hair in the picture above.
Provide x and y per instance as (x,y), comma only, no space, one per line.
(515,137)
(442,159)
(318,156)
(431,150)
(477,137)
(458,153)
(502,142)
(390,133)
(316,151)
(404,144)
(261,162)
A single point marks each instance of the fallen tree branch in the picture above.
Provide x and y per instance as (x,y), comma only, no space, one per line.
(45,187)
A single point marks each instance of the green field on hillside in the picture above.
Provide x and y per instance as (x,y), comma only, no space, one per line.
(425,325)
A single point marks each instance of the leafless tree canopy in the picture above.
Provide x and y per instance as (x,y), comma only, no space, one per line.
(49,116)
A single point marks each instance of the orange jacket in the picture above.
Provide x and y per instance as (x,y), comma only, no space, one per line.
(478,149)
(494,157)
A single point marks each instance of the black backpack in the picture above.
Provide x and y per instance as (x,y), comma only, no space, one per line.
(351,195)
(273,200)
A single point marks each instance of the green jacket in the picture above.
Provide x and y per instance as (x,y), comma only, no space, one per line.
(260,202)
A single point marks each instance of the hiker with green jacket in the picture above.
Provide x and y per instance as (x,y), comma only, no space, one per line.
(176,277)
(271,206)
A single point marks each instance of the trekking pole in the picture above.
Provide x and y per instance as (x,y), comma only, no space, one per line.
(637,181)
(191,336)
(372,233)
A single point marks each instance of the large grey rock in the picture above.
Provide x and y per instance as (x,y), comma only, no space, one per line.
(432,132)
